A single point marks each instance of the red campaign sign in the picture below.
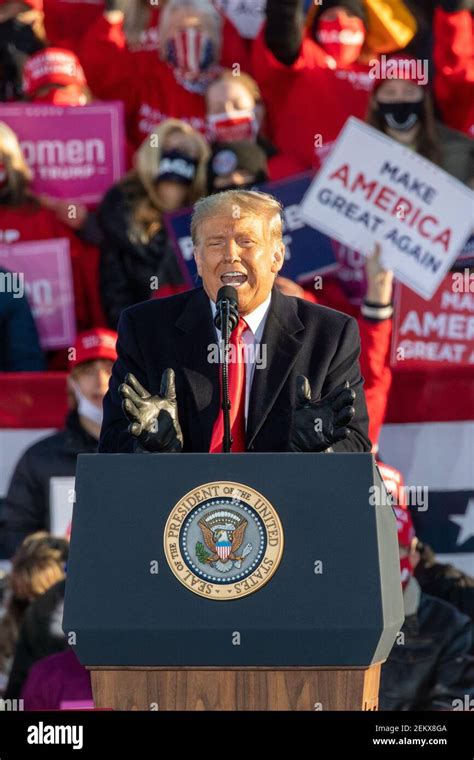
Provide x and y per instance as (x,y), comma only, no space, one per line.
(437,333)
(74,152)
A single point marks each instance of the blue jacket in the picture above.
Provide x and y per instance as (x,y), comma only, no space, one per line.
(20,349)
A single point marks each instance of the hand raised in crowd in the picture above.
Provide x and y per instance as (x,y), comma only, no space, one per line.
(73,215)
(317,425)
(379,280)
(153,419)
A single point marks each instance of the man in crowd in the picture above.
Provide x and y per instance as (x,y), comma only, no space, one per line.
(27,501)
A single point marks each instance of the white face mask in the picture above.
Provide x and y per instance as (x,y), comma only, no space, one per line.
(86,408)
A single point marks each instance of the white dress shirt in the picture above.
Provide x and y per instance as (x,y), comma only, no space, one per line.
(252,337)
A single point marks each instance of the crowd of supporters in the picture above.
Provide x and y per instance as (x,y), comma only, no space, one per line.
(216,95)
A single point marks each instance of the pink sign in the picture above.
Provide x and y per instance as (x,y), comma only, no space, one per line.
(74,152)
(41,270)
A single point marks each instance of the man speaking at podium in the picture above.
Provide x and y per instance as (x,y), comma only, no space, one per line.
(293,376)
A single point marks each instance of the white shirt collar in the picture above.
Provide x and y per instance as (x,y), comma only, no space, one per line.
(256,319)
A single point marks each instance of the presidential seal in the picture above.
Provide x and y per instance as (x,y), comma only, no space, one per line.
(223,540)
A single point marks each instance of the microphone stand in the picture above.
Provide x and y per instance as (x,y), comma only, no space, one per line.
(225,323)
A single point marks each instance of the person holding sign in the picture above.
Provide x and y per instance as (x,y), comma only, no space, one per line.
(402,108)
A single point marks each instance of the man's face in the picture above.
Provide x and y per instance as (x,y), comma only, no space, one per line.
(238,252)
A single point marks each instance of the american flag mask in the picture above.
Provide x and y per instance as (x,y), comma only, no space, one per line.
(190,51)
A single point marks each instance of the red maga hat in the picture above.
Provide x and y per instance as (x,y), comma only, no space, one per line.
(52,66)
(95,344)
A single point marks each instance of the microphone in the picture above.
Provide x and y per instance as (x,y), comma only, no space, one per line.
(226,320)
(227,304)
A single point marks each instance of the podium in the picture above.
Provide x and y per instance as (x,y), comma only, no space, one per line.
(232,581)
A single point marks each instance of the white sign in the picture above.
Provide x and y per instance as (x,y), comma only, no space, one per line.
(61,503)
(246,15)
(373,190)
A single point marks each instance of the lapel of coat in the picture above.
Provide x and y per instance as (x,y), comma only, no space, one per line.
(196,333)
(283,337)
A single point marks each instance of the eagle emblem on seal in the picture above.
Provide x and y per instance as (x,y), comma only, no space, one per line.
(223,533)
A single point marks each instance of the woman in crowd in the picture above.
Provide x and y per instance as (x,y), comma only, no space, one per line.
(240,165)
(308,100)
(25,219)
(236,111)
(402,108)
(136,256)
(36,566)
(173,85)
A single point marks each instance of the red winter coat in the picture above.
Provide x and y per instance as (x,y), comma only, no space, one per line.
(308,104)
(453,54)
(66,21)
(31,222)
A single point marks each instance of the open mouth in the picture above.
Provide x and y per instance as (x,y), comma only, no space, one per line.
(236,279)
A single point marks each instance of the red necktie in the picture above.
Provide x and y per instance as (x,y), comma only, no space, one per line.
(236,395)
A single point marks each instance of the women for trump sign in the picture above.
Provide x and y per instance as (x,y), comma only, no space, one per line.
(373,190)
(74,152)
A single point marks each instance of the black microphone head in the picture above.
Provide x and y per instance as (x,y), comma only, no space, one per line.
(227,292)
(227,295)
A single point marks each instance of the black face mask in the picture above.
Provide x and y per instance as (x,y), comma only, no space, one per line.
(177,167)
(401,116)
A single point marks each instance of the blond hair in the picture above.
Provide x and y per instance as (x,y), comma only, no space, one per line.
(139,185)
(203,7)
(18,172)
(37,565)
(250,84)
(240,203)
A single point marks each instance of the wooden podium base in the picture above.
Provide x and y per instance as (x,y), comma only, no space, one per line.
(236,688)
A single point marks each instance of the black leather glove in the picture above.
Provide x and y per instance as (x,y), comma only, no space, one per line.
(318,424)
(153,419)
